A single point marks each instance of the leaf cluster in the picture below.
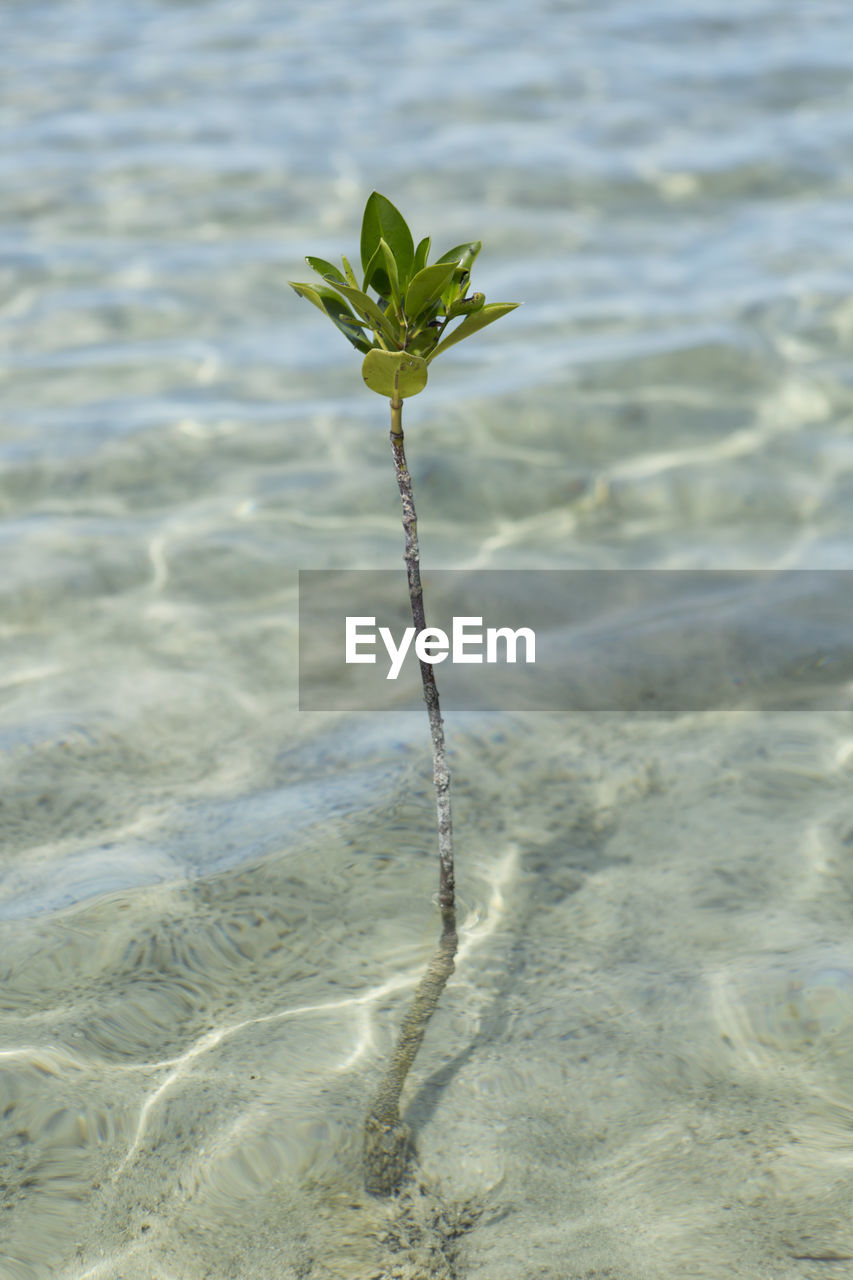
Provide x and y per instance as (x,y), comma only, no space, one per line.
(413,316)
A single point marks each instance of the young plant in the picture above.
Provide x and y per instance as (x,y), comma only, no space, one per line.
(419,310)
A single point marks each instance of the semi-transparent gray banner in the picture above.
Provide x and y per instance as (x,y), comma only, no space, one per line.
(579,640)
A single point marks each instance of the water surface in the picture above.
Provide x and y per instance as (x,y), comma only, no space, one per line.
(214,907)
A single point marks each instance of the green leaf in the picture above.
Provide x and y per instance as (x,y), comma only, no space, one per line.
(382,221)
(327,301)
(368,309)
(422,342)
(465,306)
(427,287)
(375,276)
(421,255)
(326,269)
(479,320)
(464,254)
(350,274)
(395,374)
(393,277)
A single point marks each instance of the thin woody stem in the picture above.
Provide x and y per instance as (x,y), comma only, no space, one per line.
(387,1140)
(441,776)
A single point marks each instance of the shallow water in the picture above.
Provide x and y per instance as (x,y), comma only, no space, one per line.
(213,907)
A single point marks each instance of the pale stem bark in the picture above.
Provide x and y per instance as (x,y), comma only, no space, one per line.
(387,1140)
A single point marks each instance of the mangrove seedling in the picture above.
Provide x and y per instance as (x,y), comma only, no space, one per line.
(404,313)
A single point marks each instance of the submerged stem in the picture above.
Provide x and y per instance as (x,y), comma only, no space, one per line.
(387,1140)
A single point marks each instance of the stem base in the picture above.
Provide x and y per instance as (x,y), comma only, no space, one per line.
(387,1151)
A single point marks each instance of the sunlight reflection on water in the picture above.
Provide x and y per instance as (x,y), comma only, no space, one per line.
(213,906)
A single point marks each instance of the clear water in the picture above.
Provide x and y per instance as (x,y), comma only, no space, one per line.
(213,908)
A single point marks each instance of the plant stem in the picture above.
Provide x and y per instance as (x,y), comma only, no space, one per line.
(387,1140)
(441,776)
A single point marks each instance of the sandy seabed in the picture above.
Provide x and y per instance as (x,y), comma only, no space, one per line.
(639,1069)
